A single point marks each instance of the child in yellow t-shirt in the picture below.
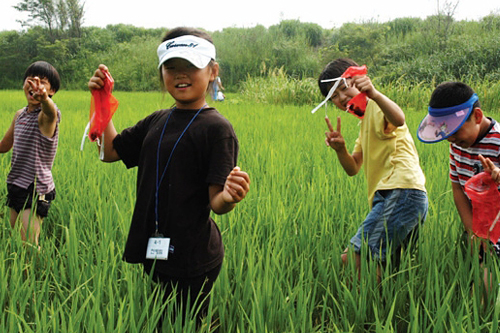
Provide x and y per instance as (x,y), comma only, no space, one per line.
(396,184)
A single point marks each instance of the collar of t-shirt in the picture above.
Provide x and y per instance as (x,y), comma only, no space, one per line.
(492,123)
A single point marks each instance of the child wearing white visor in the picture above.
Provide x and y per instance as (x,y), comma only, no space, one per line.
(196,50)
(186,158)
(396,184)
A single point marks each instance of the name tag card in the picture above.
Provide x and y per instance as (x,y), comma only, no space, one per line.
(158,248)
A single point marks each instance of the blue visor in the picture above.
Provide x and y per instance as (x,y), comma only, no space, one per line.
(441,123)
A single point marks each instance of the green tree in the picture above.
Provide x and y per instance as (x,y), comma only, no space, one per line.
(55,15)
(75,12)
(39,11)
(361,42)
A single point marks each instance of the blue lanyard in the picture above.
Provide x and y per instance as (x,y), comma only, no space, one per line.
(158,181)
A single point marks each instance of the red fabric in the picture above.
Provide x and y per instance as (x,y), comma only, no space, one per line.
(483,192)
(357,105)
(102,107)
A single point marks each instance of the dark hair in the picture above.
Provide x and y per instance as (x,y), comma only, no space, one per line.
(333,70)
(43,69)
(184,31)
(450,94)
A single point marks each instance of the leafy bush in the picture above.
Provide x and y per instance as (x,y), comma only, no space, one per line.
(276,87)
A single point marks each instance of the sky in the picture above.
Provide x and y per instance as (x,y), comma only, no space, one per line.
(216,15)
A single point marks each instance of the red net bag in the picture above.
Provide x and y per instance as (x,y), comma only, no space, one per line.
(483,192)
(357,104)
(102,107)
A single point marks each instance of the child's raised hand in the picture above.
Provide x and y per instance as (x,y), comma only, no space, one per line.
(40,93)
(490,168)
(237,186)
(364,84)
(334,138)
(97,81)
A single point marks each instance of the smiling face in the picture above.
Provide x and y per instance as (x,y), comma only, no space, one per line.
(186,83)
(343,94)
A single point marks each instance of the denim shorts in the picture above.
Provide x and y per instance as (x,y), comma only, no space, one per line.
(19,199)
(395,217)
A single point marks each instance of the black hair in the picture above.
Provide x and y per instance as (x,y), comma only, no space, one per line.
(184,31)
(449,94)
(43,69)
(333,70)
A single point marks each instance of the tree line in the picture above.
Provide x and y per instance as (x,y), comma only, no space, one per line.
(406,50)
(62,18)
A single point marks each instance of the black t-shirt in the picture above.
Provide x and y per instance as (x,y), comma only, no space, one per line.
(206,154)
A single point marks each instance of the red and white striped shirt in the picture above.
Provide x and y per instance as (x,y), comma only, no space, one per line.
(33,153)
(465,163)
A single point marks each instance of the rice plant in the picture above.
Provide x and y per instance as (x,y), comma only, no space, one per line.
(282,271)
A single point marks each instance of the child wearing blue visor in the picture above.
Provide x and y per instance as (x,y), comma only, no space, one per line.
(455,115)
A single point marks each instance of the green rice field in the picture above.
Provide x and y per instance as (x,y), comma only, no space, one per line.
(282,271)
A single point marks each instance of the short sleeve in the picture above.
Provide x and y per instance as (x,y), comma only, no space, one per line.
(223,159)
(128,144)
(357,145)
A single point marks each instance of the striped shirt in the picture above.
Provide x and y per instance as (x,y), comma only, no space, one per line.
(465,163)
(33,153)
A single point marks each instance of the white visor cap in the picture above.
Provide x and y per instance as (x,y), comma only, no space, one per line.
(196,50)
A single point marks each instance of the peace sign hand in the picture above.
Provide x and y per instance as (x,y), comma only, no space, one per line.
(40,93)
(334,138)
(490,168)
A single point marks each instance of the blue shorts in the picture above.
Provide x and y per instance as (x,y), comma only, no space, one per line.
(395,216)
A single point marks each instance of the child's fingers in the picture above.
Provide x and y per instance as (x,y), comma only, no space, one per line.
(99,72)
(236,191)
(96,82)
(329,124)
(495,175)
(482,159)
(487,163)
(103,68)
(240,179)
(37,87)
(338,124)
(33,84)
(490,164)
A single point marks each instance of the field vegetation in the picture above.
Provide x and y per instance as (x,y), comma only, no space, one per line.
(282,271)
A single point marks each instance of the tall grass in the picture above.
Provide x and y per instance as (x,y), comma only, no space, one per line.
(274,86)
(282,271)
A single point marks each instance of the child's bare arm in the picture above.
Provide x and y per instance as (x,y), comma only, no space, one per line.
(110,154)
(392,111)
(463,205)
(224,198)
(47,119)
(334,139)
(8,139)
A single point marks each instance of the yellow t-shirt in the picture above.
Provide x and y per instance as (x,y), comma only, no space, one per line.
(390,159)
